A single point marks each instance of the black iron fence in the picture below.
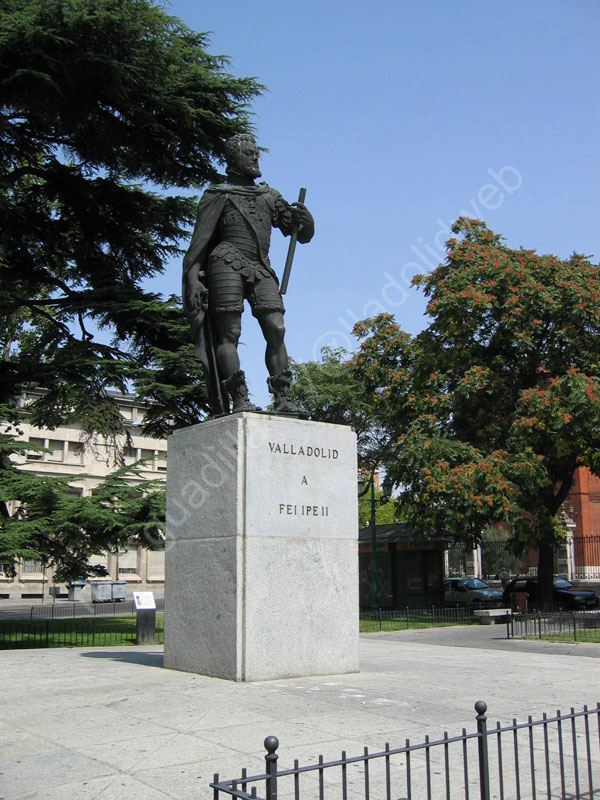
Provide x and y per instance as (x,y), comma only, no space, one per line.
(495,557)
(584,552)
(555,757)
(457,559)
(90,632)
(559,626)
(62,610)
(586,556)
(387,620)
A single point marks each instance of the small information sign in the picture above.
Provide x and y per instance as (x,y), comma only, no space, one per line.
(143,600)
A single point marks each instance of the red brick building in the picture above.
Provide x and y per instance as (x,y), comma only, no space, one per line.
(583,503)
(583,507)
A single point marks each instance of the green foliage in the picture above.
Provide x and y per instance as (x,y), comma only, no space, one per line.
(107,108)
(104,102)
(491,409)
(385,513)
(61,528)
(330,392)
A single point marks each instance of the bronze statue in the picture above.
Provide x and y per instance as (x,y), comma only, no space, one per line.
(227,262)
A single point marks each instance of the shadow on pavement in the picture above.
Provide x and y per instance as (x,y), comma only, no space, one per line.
(135,657)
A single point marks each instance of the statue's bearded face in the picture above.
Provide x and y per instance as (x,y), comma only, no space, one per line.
(246,160)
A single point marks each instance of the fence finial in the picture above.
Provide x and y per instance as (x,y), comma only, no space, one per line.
(482,742)
(480,707)
(271,744)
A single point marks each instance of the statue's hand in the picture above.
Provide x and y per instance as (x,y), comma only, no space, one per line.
(304,220)
(301,215)
(201,294)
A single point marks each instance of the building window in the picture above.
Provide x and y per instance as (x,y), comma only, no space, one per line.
(31,565)
(126,412)
(36,455)
(148,457)
(56,448)
(161,460)
(74,453)
(129,456)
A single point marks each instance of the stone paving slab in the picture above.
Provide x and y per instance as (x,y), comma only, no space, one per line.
(111,722)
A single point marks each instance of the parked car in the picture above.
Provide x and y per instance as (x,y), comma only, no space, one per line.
(564,593)
(470,590)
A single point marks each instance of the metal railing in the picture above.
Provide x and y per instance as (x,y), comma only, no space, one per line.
(112,608)
(586,556)
(383,619)
(555,757)
(91,632)
(560,625)
(496,555)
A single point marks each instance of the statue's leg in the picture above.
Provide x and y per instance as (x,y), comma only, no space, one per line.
(267,307)
(228,325)
(226,303)
(280,376)
(273,328)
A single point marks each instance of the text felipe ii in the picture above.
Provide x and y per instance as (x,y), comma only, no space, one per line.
(302,450)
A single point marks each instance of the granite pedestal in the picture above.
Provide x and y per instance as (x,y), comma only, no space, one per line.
(261,556)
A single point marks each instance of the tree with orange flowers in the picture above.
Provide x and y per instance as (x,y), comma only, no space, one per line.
(492,408)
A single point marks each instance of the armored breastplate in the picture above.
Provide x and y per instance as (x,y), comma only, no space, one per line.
(235,229)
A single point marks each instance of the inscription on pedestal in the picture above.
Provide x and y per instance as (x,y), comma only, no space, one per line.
(303,511)
(306,496)
(303,450)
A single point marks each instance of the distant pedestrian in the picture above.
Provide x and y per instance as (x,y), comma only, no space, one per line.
(504,578)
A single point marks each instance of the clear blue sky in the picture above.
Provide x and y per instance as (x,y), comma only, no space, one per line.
(399,117)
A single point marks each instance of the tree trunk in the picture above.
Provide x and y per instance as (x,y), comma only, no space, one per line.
(545,574)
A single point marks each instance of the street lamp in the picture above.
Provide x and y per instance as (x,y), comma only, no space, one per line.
(568,519)
(386,492)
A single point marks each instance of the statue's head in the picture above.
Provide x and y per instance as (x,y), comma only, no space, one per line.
(241,152)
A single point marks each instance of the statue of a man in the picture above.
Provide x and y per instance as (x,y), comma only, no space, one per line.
(228,262)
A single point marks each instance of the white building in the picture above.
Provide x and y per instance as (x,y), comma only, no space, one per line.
(88,465)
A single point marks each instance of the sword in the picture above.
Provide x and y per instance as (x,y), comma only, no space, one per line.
(291,250)
(216,399)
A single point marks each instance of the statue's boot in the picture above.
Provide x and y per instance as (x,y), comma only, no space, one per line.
(279,386)
(238,391)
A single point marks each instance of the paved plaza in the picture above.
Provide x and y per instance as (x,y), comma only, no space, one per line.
(110,722)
